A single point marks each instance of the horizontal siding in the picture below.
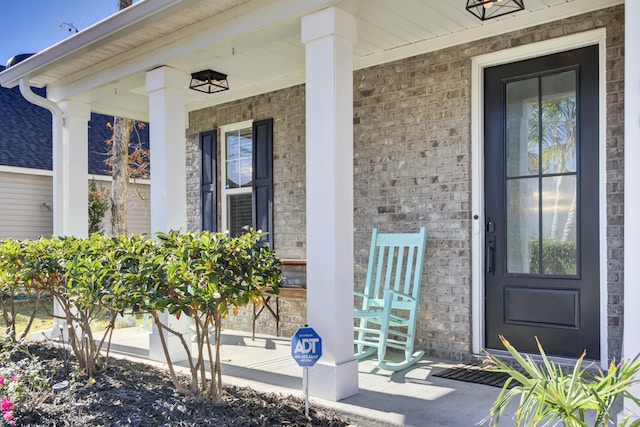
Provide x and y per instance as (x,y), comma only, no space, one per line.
(26,203)
(138,210)
(25,206)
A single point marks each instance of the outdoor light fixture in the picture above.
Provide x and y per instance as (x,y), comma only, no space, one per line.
(209,81)
(487,9)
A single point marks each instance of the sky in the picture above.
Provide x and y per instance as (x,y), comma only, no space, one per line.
(29,26)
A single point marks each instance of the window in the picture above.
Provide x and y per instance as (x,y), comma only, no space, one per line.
(237,170)
(246,171)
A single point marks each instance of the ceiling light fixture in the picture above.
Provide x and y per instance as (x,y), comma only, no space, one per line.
(487,9)
(209,81)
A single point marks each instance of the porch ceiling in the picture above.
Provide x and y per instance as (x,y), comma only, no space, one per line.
(256,42)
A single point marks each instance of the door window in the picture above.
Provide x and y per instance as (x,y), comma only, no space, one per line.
(541,181)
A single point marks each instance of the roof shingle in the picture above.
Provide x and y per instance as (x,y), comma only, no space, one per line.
(25,134)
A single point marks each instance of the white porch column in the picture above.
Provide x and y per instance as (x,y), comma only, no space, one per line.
(71,171)
(166,86)
(631,337)
(329,36)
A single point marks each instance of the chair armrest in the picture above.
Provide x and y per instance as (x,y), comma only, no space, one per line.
(399,294)
(359,294)
(371,313)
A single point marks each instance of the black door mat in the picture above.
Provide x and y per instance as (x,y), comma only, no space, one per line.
(475,374)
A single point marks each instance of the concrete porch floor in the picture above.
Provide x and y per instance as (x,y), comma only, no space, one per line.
(412,398)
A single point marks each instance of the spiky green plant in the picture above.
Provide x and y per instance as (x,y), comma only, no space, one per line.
(550,395)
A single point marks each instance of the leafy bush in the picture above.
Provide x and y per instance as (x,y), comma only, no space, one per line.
(99,204)
(14,285)
(205,276)
(550,396)
(201,275)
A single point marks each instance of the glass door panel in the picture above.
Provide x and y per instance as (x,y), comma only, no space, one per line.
(541,182)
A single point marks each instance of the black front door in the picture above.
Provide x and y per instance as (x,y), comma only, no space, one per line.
(541,204)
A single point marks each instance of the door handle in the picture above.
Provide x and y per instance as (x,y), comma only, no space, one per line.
(491,247)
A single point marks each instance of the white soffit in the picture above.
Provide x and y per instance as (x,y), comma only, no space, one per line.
(256,42)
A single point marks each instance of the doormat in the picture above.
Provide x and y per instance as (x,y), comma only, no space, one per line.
(475,374)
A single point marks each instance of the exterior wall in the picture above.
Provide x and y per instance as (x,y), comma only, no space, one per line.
(138,209)
(412,159)
(25,210)
(286,107)
(27,201)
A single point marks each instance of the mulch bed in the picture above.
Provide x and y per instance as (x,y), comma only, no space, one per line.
(134,394)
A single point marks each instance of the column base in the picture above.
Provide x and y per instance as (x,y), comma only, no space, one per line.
(333,382)
(177,353)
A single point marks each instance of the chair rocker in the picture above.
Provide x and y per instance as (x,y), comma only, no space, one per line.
(387,317)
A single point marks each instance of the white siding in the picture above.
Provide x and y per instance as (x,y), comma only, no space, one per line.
(138,209)
(26,202)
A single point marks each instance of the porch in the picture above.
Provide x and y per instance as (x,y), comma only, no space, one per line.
(377,122)
(413,397)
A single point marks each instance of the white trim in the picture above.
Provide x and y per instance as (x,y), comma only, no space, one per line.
(46,172)
(478,64)
(631,338)
(223,170)
(109,178)
(25,171)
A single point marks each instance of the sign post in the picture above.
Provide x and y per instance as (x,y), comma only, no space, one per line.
(306,349)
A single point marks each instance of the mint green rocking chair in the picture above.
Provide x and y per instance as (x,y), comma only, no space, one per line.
(387,317)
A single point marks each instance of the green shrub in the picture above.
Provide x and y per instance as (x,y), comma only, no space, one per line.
(15,285)
(202,275)
(99,204)
(549,395)
(205,276)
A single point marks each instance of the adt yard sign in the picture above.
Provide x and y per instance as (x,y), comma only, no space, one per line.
(306,347)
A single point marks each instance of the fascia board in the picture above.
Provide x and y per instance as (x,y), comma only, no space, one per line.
(98,34)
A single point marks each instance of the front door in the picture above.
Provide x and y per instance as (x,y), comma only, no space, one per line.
(541,204)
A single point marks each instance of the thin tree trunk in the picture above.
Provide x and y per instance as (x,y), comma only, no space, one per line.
(553,234)
(571,217)
(119,189)
(122,129)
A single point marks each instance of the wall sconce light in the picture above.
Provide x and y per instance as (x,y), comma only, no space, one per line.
(209,81)
(487,9)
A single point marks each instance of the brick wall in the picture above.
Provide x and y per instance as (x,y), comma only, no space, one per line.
(286,107)
(412,150)
(413,168)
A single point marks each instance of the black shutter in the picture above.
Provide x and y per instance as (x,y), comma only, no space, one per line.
(208,177)
(263,179)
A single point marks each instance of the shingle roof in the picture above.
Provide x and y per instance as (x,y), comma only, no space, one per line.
(25,134)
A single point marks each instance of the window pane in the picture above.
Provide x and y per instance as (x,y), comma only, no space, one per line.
(239,213)
(238,158)
(522,128)
(233,175)
(522,225)
(559,122)
(239,143)
(246,170)
(559,225)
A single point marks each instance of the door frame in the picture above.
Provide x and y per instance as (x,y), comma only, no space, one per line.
(478,64)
